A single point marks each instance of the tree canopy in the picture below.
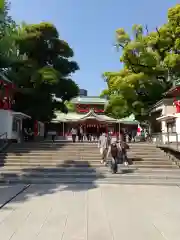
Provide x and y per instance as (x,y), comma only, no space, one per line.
(151,64)
(71,107)
(40,65)
(7,45)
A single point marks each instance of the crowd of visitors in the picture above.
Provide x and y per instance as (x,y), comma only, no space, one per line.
(117,149)
(126,135)
(83,136)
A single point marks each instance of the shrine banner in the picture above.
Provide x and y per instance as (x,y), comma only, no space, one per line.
(6,95)
(177,104)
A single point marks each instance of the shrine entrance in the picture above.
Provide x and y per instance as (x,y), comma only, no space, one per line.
(93,128)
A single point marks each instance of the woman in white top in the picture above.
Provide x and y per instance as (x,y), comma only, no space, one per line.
(74,134)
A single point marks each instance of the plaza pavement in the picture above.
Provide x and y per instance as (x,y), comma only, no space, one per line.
(90,212)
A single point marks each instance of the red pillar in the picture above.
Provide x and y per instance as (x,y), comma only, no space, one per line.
(36,128)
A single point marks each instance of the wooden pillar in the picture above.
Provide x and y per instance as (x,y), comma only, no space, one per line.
(106,128)
(35,128)
(63,128)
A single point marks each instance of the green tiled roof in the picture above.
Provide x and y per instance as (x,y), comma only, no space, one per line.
(129,120)
(89,100)
(73,117)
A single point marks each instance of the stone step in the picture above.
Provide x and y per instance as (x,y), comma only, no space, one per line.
(82,154)
(69,174)
(40,155)
(76,158)
(161,153)
(90,181)
(86,156)
(54,147)
(101,168)
(136,158)
(123,171)
(79,160)
(77,145)
(38,164)
(59,151)
(76,149)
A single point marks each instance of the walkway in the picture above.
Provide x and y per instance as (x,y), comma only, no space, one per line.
(82,212)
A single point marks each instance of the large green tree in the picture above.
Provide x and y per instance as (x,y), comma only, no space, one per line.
(151,63)
(8,48)
(44,69)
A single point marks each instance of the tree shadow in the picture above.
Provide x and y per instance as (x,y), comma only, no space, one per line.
(70,176)
(126,171)
(135,159)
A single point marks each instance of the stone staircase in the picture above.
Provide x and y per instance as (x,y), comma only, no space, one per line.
(66,162)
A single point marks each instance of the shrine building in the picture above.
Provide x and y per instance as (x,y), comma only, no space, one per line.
(89,113)
(11,122)
(165,116)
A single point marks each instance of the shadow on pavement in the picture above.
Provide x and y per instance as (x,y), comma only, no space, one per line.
(65,177)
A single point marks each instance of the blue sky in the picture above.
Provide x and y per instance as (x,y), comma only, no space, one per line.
(89,27)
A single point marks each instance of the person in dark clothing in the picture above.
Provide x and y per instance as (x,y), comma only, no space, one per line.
(123,151)
(53,137)
(114,160)
(114,149)
(134,133)
(129,136)
(87,136)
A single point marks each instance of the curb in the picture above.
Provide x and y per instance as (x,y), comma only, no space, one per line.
(13,197)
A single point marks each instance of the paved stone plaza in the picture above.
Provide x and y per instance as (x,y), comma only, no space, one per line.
(81,212)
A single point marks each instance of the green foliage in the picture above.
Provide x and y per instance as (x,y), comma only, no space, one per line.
(8,49)
(2,4)
(151,62)
(70,106)
(39,63)
(44,69)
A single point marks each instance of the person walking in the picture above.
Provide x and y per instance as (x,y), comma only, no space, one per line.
(109,138)
(134,133)
(143,135)
(53,136)
(81,132)
(123,152)
(74,134)
(114,149)
(103,147)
